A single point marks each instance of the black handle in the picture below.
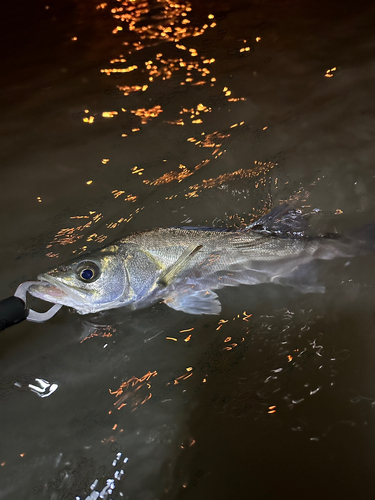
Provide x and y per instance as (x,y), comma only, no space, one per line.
(12,311)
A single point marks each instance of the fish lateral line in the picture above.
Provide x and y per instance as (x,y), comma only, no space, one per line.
(167,277)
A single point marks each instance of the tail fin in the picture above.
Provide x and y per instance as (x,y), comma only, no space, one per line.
(364,237)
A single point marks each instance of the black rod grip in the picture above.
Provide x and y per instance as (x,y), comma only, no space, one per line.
(12,311)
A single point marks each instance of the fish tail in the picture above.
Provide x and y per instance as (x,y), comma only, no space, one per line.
(363,238)
(358,241)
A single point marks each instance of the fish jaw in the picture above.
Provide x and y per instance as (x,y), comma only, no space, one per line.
(51,290)
(48,292)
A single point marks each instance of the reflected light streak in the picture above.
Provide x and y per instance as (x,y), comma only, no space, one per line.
(109,114)
(329,72)
(101,331)
(128,89)
(108,71)
(147,114)
(70,235)
(176,175)
(210,141)
(117,193)
(259,169)
(182,377)
(135,388)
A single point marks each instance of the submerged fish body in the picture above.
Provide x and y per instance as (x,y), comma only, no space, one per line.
(182,266)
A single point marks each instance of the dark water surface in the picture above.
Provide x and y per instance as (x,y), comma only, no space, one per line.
(128,115)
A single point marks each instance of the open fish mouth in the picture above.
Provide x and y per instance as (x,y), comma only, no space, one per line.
(48,292)
(59,294)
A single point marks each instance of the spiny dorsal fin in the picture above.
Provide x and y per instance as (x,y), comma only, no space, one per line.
(281,221)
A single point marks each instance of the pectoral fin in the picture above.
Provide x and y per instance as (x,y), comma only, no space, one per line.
(194,301)
(167,277)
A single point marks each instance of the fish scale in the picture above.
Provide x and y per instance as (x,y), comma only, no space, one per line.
(167,244)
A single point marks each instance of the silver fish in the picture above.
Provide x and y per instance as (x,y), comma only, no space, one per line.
(183,265)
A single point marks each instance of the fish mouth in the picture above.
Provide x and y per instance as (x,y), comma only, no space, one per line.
(50,292)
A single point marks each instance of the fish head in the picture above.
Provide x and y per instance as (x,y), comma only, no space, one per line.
(92,283)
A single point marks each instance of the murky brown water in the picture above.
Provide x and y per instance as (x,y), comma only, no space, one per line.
(124,116)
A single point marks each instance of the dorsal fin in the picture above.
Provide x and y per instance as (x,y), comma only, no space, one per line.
(281,221)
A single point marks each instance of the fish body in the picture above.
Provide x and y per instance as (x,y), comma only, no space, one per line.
(183,266)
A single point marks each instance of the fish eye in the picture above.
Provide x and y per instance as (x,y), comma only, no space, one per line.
(88,272)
